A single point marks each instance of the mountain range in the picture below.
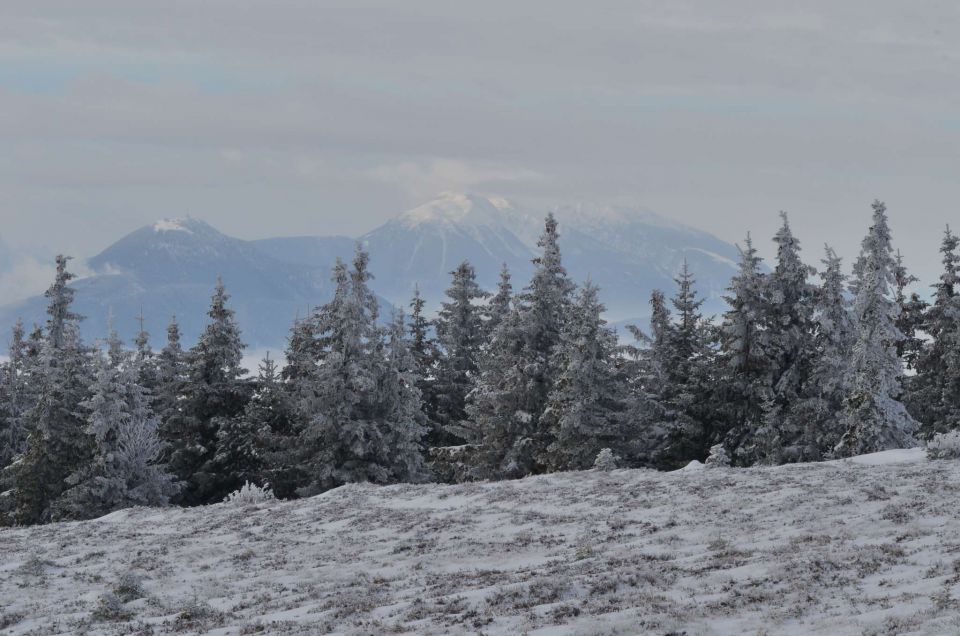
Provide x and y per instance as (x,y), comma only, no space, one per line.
(170,267)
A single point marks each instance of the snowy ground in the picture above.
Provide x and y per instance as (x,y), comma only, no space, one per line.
(870,546)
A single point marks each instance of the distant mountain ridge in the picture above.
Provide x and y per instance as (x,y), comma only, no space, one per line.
(170,267)
(628,252)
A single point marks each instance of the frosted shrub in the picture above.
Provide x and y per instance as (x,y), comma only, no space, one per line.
(944,446)
(606,460)
(250,494)
(195,612)
(129,587)
(718,457)
(110,608)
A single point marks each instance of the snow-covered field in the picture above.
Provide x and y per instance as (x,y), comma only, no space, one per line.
(869,546)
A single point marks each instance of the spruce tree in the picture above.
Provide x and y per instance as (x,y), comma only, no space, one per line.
(14,401)
(933,394)
(460,334)
(500,303)
(244,442)
(786,436)
(823,397)
(586,408)
(310,339)
(425,353)
(56,443)
(517,373)
(271,409)
(400,410)
(743,364)
(354,424)
(301,357)
(123,470)
(214,392)
(911,315)
(145,359)
(18,382)
(170,381)
(686,358)
(645,366)
(876,419)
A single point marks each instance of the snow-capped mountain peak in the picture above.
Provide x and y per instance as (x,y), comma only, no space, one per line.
(456,209)
(173,225)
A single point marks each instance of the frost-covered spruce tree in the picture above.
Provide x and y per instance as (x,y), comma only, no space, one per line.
(308,342)
(785,435)
(171,374)
(910,320)
(214,392)
(876,419)
(744,368)
(829,384)
(646,366)
(145,359)
(333,370)
(271,409)
(245,442)
(500,303)
(683,397)
(398,402)
(517,374)
(661,330)
(123,470)
(460,334)
(350,428)
(586,409)
(933,394)
(17,397)
(423,347)
(14,401)
(8,444)
(57,444)
(301,355)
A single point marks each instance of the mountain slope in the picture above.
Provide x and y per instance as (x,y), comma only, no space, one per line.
(867,546)
(317,252)
(171,268)
(422,246)
(627,252)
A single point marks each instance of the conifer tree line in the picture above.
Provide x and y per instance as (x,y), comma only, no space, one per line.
(805,364)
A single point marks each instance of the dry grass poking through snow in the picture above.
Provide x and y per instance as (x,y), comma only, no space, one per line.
(831,548)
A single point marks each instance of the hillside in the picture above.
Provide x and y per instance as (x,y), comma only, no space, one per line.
(868,546)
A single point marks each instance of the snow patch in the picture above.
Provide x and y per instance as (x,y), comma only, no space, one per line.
(717,257)
(886,458)
(172,225)
(451,209)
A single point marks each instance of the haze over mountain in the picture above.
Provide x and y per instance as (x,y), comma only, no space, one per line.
(628,252)
(170,267)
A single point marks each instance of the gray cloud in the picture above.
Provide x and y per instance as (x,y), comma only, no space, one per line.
(287,117)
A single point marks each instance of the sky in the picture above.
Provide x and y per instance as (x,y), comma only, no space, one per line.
(290,117)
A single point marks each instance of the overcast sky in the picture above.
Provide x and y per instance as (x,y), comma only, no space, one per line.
(283,117)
